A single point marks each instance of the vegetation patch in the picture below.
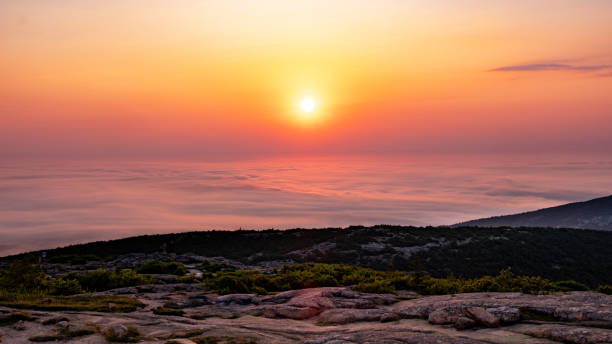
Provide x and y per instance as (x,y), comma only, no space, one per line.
(14,317)
(605,289)
(26,277)
(101,280)
(467,252)
(159,267)
(118,304)
(186,279)
(310,275)
(211,266)
(169,308)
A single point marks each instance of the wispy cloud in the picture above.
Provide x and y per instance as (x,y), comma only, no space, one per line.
(551,67)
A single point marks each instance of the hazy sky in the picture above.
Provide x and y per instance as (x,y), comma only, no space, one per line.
(200,78)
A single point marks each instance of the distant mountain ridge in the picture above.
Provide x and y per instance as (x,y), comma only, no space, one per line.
(593,214)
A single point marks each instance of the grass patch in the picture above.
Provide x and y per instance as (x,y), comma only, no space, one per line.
(14,317)
(118,304)
(163,310)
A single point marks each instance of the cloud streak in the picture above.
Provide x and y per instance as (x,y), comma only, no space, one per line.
(536,67)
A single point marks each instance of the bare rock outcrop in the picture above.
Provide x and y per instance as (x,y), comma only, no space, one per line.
(331,316)
(481,316)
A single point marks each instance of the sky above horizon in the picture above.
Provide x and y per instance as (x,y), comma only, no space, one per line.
(176,79)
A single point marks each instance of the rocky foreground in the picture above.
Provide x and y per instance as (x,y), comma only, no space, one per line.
(184,313)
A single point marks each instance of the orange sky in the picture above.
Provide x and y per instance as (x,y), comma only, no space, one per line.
(199,78)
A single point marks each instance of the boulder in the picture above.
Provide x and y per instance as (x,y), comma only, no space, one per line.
(117,331)
(464,323)
(236,299)
(481,316)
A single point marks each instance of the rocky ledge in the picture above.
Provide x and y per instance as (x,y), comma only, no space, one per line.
(186,314)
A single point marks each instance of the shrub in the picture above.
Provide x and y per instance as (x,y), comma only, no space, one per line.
(118,304)
(158,267)
(311,275)
(23,276)
(378,286)
(569,286)
(61,286)
(605,289)
(100,280)
(210,266)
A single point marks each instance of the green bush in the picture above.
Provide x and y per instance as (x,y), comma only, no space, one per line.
(310,275)
(61,286)
(378,287)
(158,267)
(100,280)
(73,303)
(570,285)
(23,276)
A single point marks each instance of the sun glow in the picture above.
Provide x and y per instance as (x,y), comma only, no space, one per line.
(308,109)
(307,104)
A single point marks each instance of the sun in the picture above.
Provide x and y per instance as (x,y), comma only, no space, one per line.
(307,104)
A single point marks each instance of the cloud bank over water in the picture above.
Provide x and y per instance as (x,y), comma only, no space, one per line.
(44,205)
